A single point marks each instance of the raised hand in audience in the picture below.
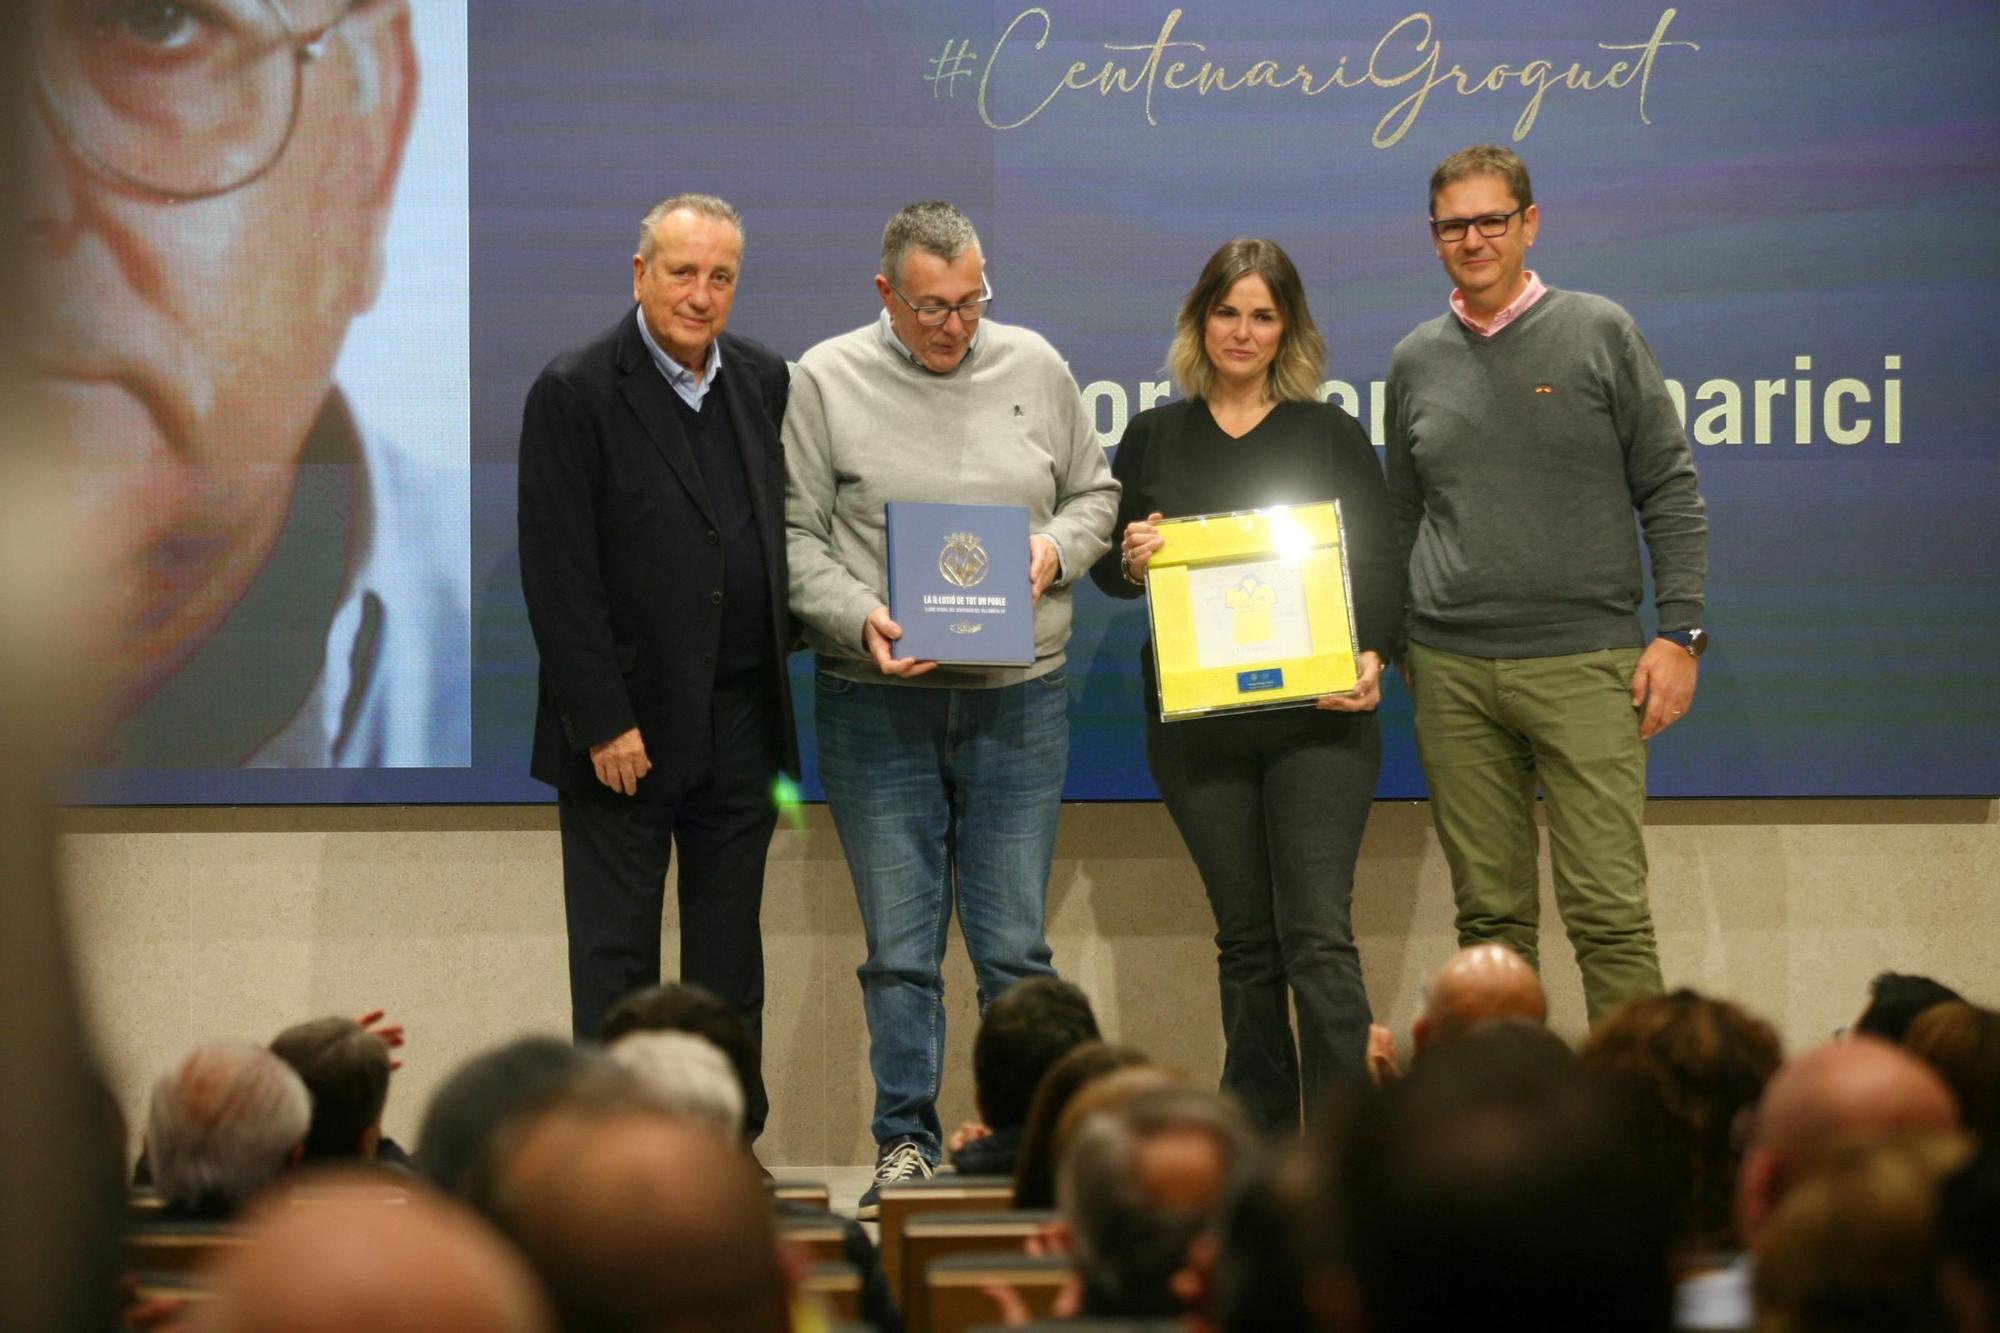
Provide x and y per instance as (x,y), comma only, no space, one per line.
(377,1022)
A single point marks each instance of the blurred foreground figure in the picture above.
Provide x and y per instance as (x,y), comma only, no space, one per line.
(1497,1187)
(1694,1066)
(1853,1248)
(420,1265)
(60,1149)
(642,1221)
(1831,1097)
(1137,1186)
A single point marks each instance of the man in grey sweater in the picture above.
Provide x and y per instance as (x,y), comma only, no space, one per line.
(1525,427)
(944,782)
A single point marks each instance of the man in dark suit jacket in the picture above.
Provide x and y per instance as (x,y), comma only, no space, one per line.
(653,561)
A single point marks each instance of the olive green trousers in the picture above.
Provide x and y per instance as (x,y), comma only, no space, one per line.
(1489,730)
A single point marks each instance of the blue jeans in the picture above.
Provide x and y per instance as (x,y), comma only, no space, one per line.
(933,789)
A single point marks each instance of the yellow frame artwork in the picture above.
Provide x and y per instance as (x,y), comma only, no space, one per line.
(1310,535)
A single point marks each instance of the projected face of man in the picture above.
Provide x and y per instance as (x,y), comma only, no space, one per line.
(196,303)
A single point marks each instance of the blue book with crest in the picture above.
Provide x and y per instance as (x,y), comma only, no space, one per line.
(958,583)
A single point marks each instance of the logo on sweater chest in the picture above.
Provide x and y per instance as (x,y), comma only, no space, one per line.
(1545,388)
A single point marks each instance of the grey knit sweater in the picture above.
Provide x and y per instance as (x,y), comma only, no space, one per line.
(1515,466)
(865,425)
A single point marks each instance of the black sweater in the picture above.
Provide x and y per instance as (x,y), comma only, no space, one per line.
(1174,460)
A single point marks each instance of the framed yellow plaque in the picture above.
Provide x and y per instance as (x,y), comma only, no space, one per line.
(1251,610)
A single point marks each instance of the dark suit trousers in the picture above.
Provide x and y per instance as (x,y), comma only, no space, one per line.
(615,854)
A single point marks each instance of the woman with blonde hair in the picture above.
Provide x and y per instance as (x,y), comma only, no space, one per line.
(1270,804)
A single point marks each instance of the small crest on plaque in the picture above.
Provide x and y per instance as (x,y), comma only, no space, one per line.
(963,562)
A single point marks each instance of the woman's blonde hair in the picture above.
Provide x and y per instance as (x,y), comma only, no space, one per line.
(1300,365)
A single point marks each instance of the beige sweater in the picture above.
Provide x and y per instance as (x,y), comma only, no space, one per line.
(865,426)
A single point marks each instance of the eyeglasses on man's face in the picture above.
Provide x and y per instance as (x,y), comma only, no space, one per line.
(1488,225)
(182,98)
(934,316)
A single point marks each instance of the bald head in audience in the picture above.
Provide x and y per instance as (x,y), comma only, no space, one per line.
(417,1266)
(639,1220)
(224,1123)
(1477,985)
(1837,1094)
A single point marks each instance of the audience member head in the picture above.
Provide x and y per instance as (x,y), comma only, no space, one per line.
(679,1007)
(1969,1243)
(1497,1187)
(687,1075)
(1695,1065)
(422,1264)
(453,1145)
(1962,1043)
(1842,1092)
(1853,1248)
(1109,1093)
(639,1220)
(346,1070)
(1262,1252)
(1894,1001)
(1137,1184)
(1035,1168)
(225,1122)
(1032,1025)
(1476,985)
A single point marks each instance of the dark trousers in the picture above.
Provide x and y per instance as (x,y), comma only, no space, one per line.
(615,854)
(1272,808)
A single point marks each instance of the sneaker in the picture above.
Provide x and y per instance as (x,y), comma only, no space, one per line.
(897,1161)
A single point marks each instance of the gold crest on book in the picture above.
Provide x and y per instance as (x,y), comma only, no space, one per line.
(963,561)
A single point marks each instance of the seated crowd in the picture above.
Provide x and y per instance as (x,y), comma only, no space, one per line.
(1675,1172)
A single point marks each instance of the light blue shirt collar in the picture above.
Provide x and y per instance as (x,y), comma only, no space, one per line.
(691,389)
(895,344)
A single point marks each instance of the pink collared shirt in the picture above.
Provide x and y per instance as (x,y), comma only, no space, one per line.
(1507,314)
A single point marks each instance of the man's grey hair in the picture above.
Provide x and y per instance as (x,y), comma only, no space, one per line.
(688,1076)
(933,226)
(713,207)
(222,1124)
(1125,1247)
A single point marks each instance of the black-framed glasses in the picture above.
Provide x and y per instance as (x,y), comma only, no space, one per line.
(1488,225)
(934,316)
(187,99)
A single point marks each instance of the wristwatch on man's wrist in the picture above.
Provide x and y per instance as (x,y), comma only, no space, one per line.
(1694,640)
